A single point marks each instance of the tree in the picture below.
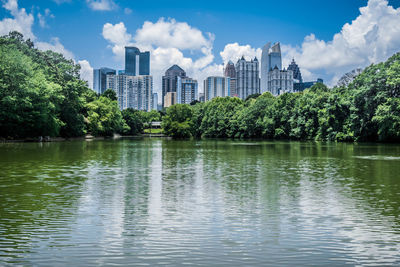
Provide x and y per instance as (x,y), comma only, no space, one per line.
(304,121)
(149,117)
(196,120)
(177,122)
(251,118)
(105,118)
(110,94)
(219,119)
(26,97)
(387,117)
(253,96)
(134,119)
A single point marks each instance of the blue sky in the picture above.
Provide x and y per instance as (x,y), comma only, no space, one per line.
(201,35)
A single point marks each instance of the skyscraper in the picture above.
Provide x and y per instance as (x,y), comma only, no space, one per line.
(296,72)
(265,67)
(230,72)
(99,79)
(275,57)
(132,91)
(216,86)
(170,80)
(136,62)
(169,99)
(186,91)
(280,81)
(247,75)
(271,57)
(155,101)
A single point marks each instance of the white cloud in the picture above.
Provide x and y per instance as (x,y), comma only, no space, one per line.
(235,51)
(55,46)
(21,21)
(127,11)
(101,5)
(118,37)
(62,1)
(42,17)
(86,72)
(167,41)
(371,38)
(170,33)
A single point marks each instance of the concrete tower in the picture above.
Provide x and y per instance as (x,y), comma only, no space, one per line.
(265,68)
(271,57)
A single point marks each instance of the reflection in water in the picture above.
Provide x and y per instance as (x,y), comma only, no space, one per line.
(164,202)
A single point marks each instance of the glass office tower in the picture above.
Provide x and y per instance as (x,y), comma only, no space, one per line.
(136,62)
(99,79)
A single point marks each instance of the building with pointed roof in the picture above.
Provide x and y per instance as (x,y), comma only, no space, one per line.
(230,72)
(247,75)
(280,81)
(296,72)
(170,80)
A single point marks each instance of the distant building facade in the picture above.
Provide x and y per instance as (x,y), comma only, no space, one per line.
(270,58)
(230,72)
(247,75)
(280,81)
(155,101)
(347,78)
(136,62)
(132,91)
(187,90)
(216,86)
(169,99)
(296,72)
(300,87)
(202,97)
(100,79)
(170,80)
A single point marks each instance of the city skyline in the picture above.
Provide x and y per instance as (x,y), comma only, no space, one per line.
(202,46)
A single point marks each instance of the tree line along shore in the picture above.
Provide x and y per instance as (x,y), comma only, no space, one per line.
(41,94)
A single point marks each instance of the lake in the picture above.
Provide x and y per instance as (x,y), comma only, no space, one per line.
(148,202)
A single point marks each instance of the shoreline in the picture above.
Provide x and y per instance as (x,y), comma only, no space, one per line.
(82,138)
(147,135)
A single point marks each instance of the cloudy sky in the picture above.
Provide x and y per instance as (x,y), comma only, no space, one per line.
(326,38)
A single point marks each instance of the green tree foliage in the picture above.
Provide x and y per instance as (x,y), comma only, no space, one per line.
(27,99)
(197,118)
(110,94)
(41,94)
(387,118)
(150,116)
(218,119)
(305,120)
(177,122)
(105,118)
(134,119)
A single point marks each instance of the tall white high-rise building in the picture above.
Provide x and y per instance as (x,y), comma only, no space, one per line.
(132,91)
(265,68)
(247,75)
(216,86)
(280,81)
(271,58)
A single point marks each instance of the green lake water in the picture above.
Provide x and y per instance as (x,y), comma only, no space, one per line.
(150,202)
